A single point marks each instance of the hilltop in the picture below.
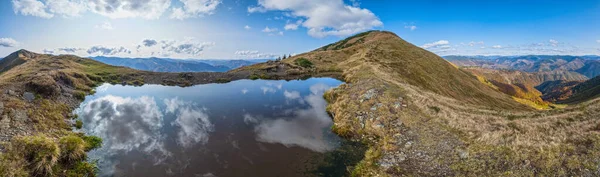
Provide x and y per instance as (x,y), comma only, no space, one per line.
(419,114)
(423,116)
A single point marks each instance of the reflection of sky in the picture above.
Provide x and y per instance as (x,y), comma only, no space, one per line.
(161,122)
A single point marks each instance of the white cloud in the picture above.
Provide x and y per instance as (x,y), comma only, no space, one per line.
(188,47)
(253,54)
(148,9)
(304,129)
(497,47)
(411,27)
(553,42)
(31,7)
(436,44)
(194,8)
(66,8)
(270,30)
(291,95)
(8,42)
(598,41)
(105,25)
(473,43)
(292,26)
(70,49)
(48,51)
(244,91)
(268,90)
(324,18)
(247,27)
(101,50)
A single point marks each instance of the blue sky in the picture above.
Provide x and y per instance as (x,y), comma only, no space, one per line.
(244,29)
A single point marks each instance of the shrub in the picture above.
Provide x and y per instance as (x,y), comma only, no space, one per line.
(39,151)
(223,80)
(303,62)
(73,148)
(78,124)
(92,142)
(254,77)
(84,169)
(79,95)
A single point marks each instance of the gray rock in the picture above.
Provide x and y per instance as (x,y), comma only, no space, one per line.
(369,95)
(11,92)
(1,108)
(463,154)
(20,115)
(4,123)
(28,96)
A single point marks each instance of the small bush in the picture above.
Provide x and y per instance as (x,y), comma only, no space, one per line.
(39,151)
(79,95)
(78,124)
(223,80)
(303,62)
(92,142)
(254,77)
(73,148)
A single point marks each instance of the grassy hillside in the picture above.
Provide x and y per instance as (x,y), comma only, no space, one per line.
(422,116)
(585,91)
(522,86)
(38,95)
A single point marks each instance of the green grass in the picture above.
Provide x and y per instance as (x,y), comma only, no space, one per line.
(78,124)
(303,62)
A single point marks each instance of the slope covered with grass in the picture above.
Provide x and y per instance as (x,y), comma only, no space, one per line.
(422,116)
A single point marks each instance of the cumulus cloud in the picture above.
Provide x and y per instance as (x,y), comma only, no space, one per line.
(306,127)
(48,51)
(70,49)
(473,43)
(194,8)
(101,50)
(598,41)
(291,95)
(244,91)
(411,27)
(8,42)
(436,44)
(125,124)
(253,54)
(497,46)
(323,18)
(247,27)
(66,8)
(149,42)
(105,25)
(148,9)
(270,30)
(188,47)
(268,90)
(553,42)
(31,7)
(292,26)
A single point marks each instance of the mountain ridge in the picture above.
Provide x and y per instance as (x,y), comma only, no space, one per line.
(418,114)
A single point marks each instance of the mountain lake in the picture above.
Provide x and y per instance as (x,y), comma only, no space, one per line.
(240,128)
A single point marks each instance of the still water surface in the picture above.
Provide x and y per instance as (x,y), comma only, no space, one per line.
(241,128)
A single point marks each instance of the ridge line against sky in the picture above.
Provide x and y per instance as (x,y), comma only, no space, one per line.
(250,29)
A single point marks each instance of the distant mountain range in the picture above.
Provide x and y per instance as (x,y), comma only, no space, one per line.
(176,65)
(586,65)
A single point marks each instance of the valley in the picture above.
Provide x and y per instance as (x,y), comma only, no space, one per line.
(416,113)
